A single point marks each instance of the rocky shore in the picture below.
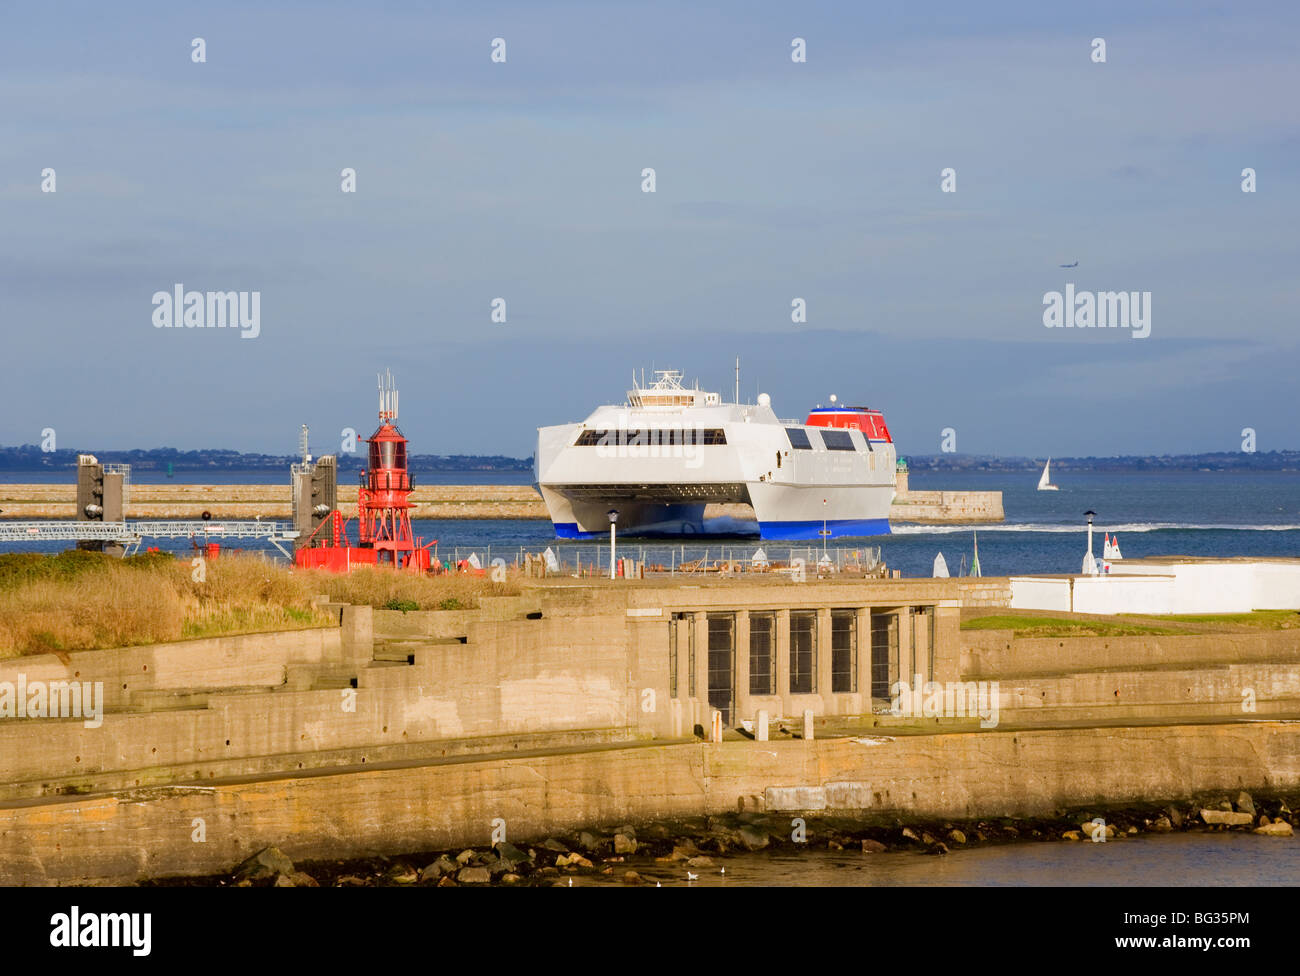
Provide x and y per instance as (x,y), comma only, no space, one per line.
(678,851)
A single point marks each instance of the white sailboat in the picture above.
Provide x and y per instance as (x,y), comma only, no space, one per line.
(1045,482)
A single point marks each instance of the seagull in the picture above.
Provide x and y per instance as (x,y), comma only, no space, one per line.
(659,884)
(692,877)
(1075,265)
(723,871)
(570,882)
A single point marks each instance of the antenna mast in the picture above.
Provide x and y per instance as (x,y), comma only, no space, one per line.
(737,400)
(387,396)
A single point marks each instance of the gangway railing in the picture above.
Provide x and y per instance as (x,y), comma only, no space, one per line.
(131,534)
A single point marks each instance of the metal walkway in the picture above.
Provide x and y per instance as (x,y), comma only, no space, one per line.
(131,534)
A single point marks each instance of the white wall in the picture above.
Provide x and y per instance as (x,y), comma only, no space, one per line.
(1153,587)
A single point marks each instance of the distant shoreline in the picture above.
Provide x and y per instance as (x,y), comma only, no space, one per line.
(29,458)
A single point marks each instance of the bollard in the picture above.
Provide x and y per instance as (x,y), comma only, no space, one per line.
(716,727)
(760,727)
(808,724)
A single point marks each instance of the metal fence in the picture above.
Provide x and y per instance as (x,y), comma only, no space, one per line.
(671,560)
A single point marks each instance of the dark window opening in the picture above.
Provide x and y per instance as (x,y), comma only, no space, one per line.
(884,652)
(803,652)
(722,646)
(762,653)
(844,647)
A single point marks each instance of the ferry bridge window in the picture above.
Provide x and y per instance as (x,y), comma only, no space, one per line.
(798,438)
(762,653)
(844,646)
(837,440)
(803,652)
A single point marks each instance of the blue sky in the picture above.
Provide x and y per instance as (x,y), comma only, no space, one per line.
(775,180)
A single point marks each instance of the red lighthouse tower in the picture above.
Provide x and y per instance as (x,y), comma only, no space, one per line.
(383,509)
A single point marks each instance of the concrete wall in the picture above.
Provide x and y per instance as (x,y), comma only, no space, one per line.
(985,592)
(947,506)
(424,807)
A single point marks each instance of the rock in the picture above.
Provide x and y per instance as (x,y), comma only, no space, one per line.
(1245,804)
(1279,829)
(589,842)
(551,844)
(446,882)
(499,866)
(681,854)
(659,832)
(548,872)
(431,872)
(752,838)
(624,844)
(283,881)
(1224,805)
(465,856)
(266,863)
(402,875)
(349,881)
(928,840)
(632,878)
(629,830)
(1227,817)
(1264,821)
(700,861)
(956,836)
(873,847)
(511,854)
(938,849)
(572,861)
(511,879)
(474,875)
(562,861)
(1161,825)
(1072,835)
(301,879)
(909,834)
(1175,816)
(834,845)
(1131,831)
(1097,832)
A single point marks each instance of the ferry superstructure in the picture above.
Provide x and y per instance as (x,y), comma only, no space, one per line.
(661,457)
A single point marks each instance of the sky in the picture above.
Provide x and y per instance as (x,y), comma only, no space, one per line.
(775,180)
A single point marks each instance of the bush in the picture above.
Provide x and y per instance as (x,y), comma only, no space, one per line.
(403,605)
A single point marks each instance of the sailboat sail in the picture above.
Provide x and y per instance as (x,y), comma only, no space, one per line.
(1045,482)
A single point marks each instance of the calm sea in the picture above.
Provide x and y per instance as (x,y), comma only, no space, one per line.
(1168,513)
(1178,860)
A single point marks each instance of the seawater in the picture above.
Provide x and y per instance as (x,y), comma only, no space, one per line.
(1191,513)
(1193,860)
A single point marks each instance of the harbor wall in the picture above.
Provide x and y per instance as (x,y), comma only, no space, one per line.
(947,506)
(153,833)
(165,501)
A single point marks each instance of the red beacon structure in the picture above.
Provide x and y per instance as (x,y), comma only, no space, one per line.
(385,536)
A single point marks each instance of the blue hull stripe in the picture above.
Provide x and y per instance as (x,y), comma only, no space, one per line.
(790,531)
(838,529)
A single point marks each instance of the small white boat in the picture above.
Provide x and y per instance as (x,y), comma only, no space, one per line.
(1045,482)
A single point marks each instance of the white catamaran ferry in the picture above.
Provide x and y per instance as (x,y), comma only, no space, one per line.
(655,462)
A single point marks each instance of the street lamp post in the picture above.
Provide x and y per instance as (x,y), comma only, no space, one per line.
(1089,561)
(613,519)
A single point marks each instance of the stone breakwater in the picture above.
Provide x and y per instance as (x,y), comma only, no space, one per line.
(167,501)
(679,850)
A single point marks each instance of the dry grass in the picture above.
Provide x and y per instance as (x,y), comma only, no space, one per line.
(78,601)
(82,600)
(383,587)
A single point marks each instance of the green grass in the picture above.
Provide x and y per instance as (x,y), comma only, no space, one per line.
(1266,619)
(1058,627)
